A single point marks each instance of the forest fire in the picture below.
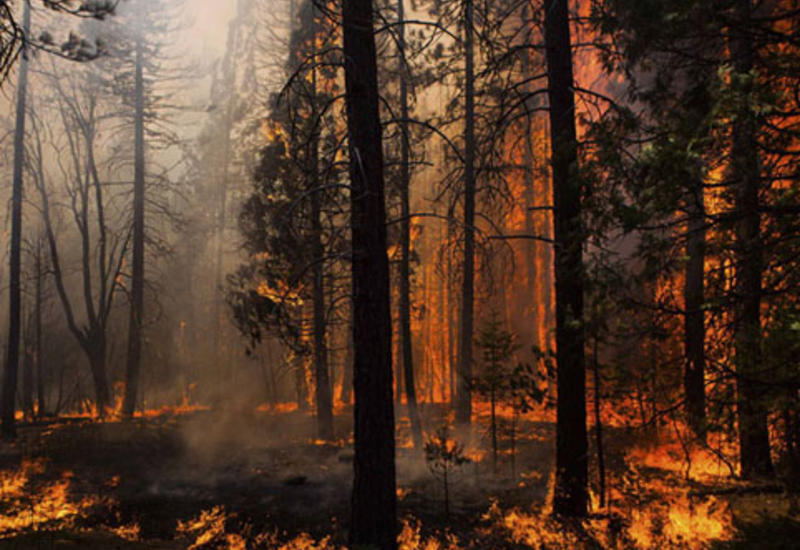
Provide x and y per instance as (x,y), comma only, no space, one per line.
(441,274)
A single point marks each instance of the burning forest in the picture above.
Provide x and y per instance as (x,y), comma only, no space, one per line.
(400,275)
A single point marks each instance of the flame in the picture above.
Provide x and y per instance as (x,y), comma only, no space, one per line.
(677,521)
(12,482)
(283,294)
(208,527)
(410,538)
(130,532)
(278,408)
(33,510)
(208,530)
(88,409)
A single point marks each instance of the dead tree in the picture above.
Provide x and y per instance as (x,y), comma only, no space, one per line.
(79,118)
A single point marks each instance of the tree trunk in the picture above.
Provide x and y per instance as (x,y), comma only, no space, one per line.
(7,427)
(463,391)
(397,364)
(494,431)
(347,375)
(301,387)
(324,401)
(598,425)
(405,231)
(224,372)
(694,323)
(753,433)
(27,371)
(571,493)
(133,366)
(96,353)
(374,500)
(529,190)
(40,382)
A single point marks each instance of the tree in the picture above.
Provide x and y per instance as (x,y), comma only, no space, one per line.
(497,346)
(77,104)
(745,170)
(134,356)
(374,501)
(673,180)
(405,232)
(463,392)
(720,174)
(7,426)
(445,456)
(293,220)
(322,387)
(571,492)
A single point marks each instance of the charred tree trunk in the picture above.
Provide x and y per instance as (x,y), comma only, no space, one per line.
(463,391)
(571,493)
(694,322)
(133,366)
(374,499)
(754,457)
(405,237)
(7,427)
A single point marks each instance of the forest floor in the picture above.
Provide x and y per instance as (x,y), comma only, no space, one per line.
(246,479)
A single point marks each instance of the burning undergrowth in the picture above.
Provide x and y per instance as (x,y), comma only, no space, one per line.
(210,480)
(37,498)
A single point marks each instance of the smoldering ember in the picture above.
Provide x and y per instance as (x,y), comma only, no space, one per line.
(400,275)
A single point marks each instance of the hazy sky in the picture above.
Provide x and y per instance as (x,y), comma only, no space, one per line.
(207,36)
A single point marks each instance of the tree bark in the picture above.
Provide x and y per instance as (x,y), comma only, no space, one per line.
(754,450)
(463,390)
(374,498)
(7,424)
(405,232)
(571,493)
(694,322)
(133,366)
